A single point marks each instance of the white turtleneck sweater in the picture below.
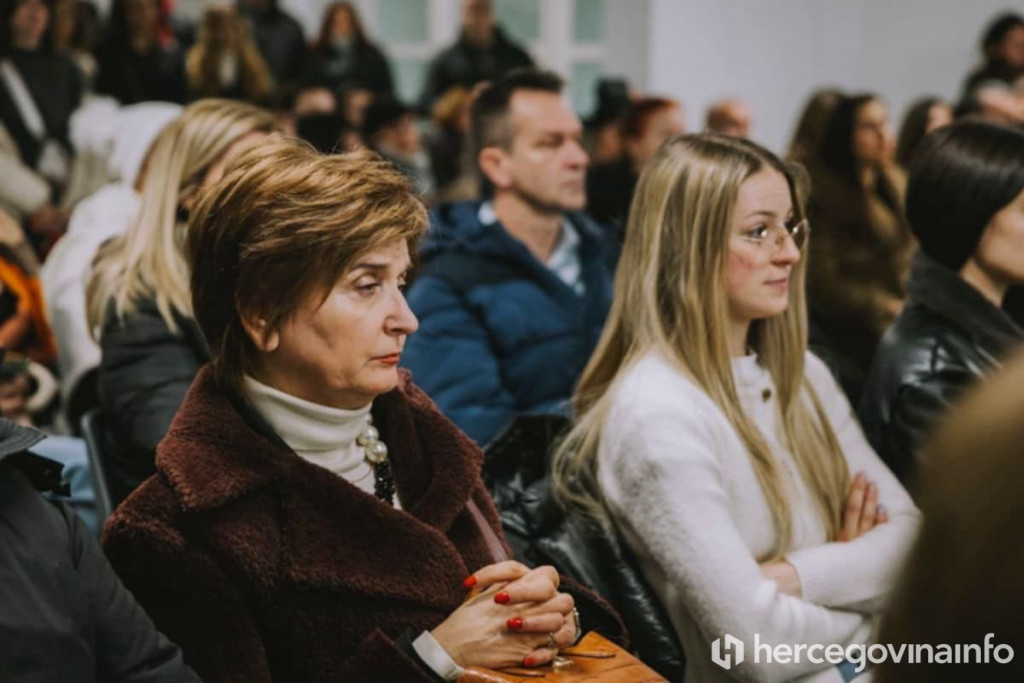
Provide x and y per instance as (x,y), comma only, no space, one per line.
(326,436)
(680,485)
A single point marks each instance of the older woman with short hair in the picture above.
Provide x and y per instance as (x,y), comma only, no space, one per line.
(314,516)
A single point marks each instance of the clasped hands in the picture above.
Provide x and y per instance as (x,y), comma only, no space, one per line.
(517,618)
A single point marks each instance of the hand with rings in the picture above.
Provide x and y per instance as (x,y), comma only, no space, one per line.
(519,618)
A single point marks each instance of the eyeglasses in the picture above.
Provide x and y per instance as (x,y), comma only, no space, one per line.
(764,235)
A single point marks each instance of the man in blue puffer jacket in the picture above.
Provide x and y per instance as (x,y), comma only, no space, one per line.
(513,291)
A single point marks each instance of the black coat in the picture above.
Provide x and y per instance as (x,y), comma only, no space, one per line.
(64,615)
(144,373)
(158,75)
(947,336)
(367,69)
(465,65)
(610,189)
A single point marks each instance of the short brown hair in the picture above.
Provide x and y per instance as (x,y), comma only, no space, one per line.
(285,223)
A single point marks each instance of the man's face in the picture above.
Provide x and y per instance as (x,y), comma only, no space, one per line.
(477,20)
(545,164)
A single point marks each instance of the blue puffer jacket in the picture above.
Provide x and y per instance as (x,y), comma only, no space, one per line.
(501,334)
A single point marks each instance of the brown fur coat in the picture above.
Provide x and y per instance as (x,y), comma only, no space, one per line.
(262,566)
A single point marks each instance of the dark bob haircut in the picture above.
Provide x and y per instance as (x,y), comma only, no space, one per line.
(961,176)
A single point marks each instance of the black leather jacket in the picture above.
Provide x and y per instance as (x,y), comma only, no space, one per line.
(516,472)
(946,337)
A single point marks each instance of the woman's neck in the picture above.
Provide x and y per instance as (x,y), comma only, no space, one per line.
(990,287)
(868,175)
(738,335)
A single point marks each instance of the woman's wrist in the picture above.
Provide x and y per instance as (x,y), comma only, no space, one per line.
(435,657)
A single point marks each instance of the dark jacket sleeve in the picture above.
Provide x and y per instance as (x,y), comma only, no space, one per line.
(144,374)
(196,604)
(919,402)
(128,647)
(452,360)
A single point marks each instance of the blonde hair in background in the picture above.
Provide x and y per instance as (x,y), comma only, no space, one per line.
(203,61)
(670,297)
(147,260)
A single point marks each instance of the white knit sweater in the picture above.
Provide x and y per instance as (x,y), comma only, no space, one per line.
(681,488)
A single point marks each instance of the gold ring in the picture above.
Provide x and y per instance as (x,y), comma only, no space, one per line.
(551,642)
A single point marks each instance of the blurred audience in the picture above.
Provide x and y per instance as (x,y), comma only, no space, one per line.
(513,290)
(965,203)
(280,40)
(860,255)
(137,300)
(645,125)
(922,117)
(481,53)
(391,129)
(729,117)
(343,57)
(225,62)
(135,65)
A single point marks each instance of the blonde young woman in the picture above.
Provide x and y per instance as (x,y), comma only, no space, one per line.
(226,62)
(138,300)
(724,453)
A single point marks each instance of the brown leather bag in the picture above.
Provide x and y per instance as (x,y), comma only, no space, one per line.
(594,658)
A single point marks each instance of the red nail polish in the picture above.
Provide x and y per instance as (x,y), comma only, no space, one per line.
(469,582)
(502,598)
(515,623)
(528,661)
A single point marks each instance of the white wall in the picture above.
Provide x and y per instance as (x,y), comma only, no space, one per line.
(773,53)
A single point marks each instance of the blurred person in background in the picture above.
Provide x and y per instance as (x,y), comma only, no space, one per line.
(39,90)
(391,129)
(343,57)
(280,41)
(860,255)
(646,124)
(730,116)
(75,33)
(99,217)
(996,89)
(922,117)
(226,62)
(482,53)
(602,132)
(137,299)
(965,204)
(805,146)
(135,64)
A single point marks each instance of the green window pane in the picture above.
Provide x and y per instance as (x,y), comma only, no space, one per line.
(519,18)
(402,21)
(589,17)
(409,77)
(583,83)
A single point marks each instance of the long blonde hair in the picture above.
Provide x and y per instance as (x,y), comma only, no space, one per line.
(148,259)
(670,297)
